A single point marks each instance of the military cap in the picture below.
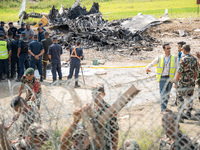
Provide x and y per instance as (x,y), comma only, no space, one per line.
(98,88)
(187,48)
(55,38)
(40,23)
(35,35)
(2,22)
(37,131)
(131,144)
(79,133)
(29,72)
(10,22)
(23,24)
(18,35)
(1,35)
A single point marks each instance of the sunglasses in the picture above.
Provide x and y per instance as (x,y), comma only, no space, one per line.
(168,48)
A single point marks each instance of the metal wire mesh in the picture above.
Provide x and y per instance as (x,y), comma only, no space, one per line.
(85,118)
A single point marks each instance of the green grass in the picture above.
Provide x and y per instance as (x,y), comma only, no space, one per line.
(146,138)
(111,9)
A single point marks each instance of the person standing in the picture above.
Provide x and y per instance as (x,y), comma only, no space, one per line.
(10,37)
(22,54)
(20,30)
(2,27)
(167,65)
(29,33)
(76,55)
(14,59)
(185,80)
(12,29)
(47,42)
(40,34)
(180,46)
(54,53)
(109,134)
(36,50)
(41,26)
(180,54)
(4,54)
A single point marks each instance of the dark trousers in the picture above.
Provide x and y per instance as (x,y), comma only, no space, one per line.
(44,63)
(56,67)
(14,62)
(34,62)
(23,61)
(4,64)
(73,67)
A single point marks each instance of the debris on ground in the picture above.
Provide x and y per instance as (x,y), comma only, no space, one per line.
(97,33)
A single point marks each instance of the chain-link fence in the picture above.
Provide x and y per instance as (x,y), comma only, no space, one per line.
(103,116)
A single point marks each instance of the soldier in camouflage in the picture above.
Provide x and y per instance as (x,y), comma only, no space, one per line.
(28,110)
(34,140)
(185,79)
(174,138)
(198,74)
(34,91)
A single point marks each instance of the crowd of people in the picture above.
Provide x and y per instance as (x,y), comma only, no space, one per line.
(183,72)
(26,51)
(21,49)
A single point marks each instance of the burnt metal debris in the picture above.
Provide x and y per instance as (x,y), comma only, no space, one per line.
(95,32)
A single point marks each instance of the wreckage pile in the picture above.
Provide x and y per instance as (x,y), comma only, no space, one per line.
(95,32)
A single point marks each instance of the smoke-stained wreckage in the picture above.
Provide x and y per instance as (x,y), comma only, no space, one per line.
(95,32)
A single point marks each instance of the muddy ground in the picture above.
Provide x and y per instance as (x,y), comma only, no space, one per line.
(141,117)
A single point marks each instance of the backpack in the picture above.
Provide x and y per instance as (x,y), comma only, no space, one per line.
(24,46)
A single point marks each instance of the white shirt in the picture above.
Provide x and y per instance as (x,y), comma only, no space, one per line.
(166,65)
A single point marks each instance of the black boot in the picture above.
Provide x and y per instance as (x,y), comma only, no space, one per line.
(76,84)
(41,78)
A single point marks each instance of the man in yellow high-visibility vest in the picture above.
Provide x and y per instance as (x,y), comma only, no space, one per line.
(4,54)
(167,65)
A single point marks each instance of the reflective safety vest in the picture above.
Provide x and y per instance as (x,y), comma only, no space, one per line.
(74,54)
(3,50)
(160,67)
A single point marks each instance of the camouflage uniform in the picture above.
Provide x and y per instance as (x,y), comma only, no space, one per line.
(109,127)
(186,83)
(34,131)
(198,82)
(30,117)
(34,85)
(182,143)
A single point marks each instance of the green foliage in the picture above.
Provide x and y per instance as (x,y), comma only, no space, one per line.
(111,9)
(146,138)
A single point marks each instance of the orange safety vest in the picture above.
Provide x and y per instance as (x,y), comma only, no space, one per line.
(74,54)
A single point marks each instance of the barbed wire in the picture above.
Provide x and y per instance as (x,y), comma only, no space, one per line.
(82,119)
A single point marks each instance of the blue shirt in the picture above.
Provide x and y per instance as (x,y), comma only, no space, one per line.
(55,50)
(43,29)
(14,47)
(179,56)
(79,52)
(2,29)
(41,36)
(19,31)
(36,48)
